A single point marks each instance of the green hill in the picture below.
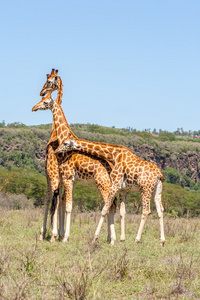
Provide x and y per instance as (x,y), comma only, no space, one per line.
(22,155)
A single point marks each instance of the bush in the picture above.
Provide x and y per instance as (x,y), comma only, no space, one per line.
(11,201)
(166,136)
(21,181)
(171,176)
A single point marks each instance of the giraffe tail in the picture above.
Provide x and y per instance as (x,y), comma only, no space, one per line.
(54,204)
(157,195)
(161,177)
(114,204)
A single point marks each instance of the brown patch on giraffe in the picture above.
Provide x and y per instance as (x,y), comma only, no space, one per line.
(119,158)
(110,149)
(91,168)
(63,128)
(97,148)
(99,153)
(90,146)
(128,159)
(124,156)
(84,165)
(59,131)
(83,144)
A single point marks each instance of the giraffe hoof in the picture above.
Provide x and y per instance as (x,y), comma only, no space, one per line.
(53,239)
(162,243)
(108,240)
(95,239)
(41,238)
(112,242)
(66,239)
(61,237)
(138,241)
(122,239)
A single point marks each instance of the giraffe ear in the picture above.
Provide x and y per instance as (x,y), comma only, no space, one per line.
(48,75)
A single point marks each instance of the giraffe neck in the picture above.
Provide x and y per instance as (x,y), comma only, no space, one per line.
(62,127)
(60,91)
(104,151)
(53,136)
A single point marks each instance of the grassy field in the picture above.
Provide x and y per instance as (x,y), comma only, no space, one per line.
(30,269)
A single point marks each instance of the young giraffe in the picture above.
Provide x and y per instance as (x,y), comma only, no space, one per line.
(129,173)
(78,167)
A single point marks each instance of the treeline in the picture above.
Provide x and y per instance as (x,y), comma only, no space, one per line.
(161,134)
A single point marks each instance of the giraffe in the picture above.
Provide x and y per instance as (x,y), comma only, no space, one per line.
(53,183)
(77,167)
(129,173)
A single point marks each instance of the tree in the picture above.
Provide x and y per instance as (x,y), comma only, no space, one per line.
(171,176)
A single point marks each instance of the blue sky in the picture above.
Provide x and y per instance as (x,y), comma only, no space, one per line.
(123,63)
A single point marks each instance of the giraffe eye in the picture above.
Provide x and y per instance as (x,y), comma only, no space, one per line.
(56,78)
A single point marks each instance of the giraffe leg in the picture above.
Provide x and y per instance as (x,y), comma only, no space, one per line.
(103,185)
(160,209)
(47,203)
(62,218)
(145,212)
(109,232)
(112,226)
(68,194)
(96,236)
(54,215)
(122,197)
(61,211)
(143,221)
(104,212)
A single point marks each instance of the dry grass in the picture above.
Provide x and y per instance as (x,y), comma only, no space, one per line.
(30,269)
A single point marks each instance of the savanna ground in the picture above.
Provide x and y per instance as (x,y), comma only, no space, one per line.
(31,269)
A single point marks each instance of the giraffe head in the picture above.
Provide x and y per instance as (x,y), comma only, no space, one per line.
(52,83)
(67,145)
(47,102)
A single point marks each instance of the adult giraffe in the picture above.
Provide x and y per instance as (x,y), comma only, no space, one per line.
(53,184)
(129,173)
(75,167)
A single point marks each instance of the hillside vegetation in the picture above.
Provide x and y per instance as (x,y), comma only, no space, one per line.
(22,154)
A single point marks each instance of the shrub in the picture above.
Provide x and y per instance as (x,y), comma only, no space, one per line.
(12,201)
(171,176)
